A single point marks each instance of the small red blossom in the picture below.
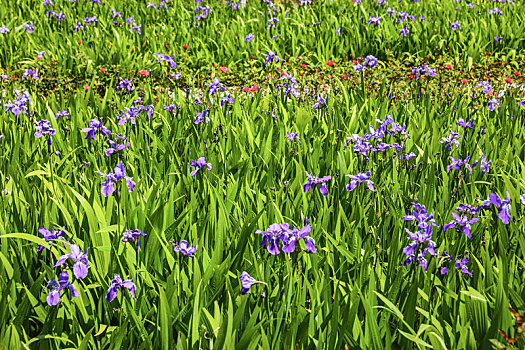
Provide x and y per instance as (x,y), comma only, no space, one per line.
(166,46)
(79,42)
(411,76)
(508,80)
(86,87)
(143,72)
(104,70)
(345,77)
(185,47)
(253,88)
(448,66)
(355,62)
(303,66)
(330,63)
(223,69)
(464,81)
(251,57)
(517,74)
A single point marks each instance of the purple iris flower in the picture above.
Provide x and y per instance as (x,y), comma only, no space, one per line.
(462,264)
(30,73)
(116,146)
(116,284)
(78,26)
(43,127)
(247,281)
(126,84)
(161,57)
(53,297)
(465,124)
(112,178)
(249,37)
(455,25)
(492,104)
(486,86)
(374,20)
(4,30)
(418,239)
(228,99)
(290,237)
(292,136)
(484,165)
(320,102)
(404,31)
(215,85)
(495,11)
(184,248)
(96,127)
(521,103)
(357,179)
(64,113)
(370,61)
(271,57)
(199,165)
(338,31)
(29,27)
(80,268)
(19,104)
(201,116)
(421,215)
(313,181)
(498,38)
(272,235)
(132,236)
(461,223)
(458,163)
(451,139)
(503,206)
(49,235)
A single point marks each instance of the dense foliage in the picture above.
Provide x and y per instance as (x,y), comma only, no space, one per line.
(348,176)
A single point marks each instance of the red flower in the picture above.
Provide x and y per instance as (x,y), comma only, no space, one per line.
(185,47)
(448,66)
(246,89)
(517,74)
(464,81)
(143,72)
(86,87)
(251,57)
(79,42)
(508,80)
(103,70)
(303,66)
(253,88)
(330,63)
(345,77)
(411,76)
(355,62)
(223,69)
(14,78)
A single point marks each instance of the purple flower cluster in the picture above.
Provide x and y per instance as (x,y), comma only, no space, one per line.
(357,179)
(373,141)
(185,248)
(288,238)
(416,250)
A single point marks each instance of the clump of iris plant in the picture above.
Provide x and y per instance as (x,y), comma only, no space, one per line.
(116,284)
(247,282)
(112,178)
(96,127)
